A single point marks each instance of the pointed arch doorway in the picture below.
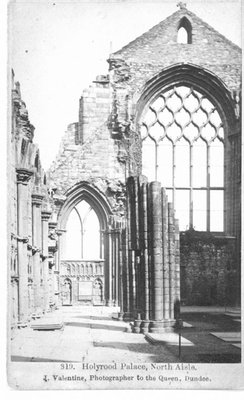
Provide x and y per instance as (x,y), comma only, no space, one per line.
(87,254)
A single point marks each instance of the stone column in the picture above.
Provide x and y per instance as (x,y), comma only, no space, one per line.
(177,261)
(145,322)
(110,269)
(166,301)
(45,215)
(171,236)
(117,269)
(51,283)
(36,241)
(52,248)
(121,276)
(59,232)
(126,280)
(23,177)
(157,255)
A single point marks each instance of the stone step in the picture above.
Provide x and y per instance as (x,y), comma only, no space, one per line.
(171,339)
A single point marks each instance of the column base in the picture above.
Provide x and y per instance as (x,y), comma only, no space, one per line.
(120,316)
(167,325)
(22,324)
(37,313)
(145,326)
(109,303)
(137,326)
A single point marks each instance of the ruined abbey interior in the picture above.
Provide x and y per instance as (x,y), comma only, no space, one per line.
(141,207)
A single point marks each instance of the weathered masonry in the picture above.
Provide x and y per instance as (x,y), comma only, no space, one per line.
(150,249)
(31,251)
(169,109)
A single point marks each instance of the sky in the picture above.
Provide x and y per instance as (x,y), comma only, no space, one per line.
(57,48)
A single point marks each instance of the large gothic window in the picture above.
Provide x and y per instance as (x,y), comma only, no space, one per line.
(82,239)
(183,148)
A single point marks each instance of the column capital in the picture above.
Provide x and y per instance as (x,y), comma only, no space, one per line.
(23,175)
(52,224)
(37,199)
(46,215)
(24,239)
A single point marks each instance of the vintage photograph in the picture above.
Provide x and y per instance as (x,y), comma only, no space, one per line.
(124,194)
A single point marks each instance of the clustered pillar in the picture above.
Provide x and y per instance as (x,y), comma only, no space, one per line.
(23,177)
(151,278)
(45,215)
(113,288)
(37,243)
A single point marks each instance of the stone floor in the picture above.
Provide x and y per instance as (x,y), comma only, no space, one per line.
(90,334)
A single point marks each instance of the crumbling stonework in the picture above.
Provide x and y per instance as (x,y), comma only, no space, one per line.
(31,275)
(151,270)
(208,269)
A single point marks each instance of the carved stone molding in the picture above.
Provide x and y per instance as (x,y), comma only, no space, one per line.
(52,225)
(23,175)
(22,239)
(46,215)
(35,250)
(59,199)
(37,199)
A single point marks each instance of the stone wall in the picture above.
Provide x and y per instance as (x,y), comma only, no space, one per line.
(147,55)
(30,268)
(209,273)
(94,157)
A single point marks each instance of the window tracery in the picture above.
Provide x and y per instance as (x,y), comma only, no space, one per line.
(83,233)
(183,147)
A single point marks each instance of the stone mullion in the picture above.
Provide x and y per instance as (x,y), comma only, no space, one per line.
(208,188)
(45,215)
(156,161)
(191,188)
(23,176)
(36,234)
(173,176)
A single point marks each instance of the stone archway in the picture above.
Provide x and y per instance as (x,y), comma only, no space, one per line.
(88,272)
